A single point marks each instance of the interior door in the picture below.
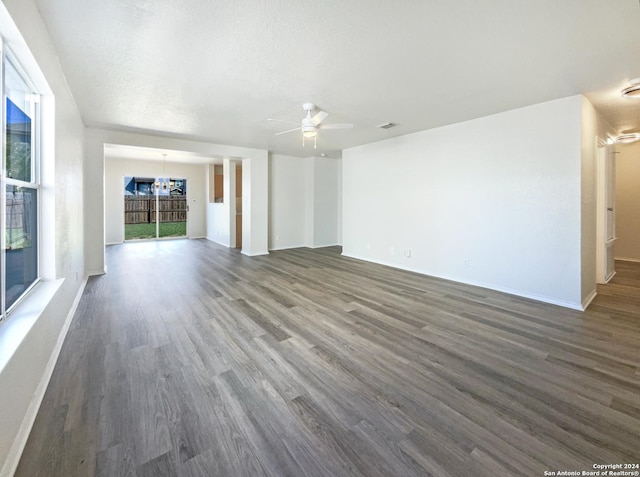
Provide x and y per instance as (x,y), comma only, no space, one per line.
(610,212)
(606,213)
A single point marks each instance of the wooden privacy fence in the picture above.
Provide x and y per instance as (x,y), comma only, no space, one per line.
(142,209)
(18,204)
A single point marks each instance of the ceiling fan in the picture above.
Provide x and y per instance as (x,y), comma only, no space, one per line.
(311,124)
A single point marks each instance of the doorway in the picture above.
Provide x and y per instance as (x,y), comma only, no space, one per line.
(606,213)
(155,208)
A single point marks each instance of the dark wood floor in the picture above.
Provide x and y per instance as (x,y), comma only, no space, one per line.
(190,359)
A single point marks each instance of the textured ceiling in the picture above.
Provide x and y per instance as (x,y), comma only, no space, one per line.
(216,70)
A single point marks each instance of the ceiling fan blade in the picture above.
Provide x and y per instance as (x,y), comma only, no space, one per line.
(288,131)
(318,118)
(335,126)
(281,121)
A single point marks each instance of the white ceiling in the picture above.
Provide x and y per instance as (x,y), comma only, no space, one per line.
(216,70)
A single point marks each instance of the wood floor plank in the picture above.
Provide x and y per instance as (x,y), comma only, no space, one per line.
(308,363)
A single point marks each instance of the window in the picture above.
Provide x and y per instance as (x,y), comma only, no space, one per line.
(20,186)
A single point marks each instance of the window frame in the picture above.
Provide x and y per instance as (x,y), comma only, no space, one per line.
(7,56)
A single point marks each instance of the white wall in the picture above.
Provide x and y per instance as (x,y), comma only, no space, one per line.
(117,169)
(627,247)
(287,202)
(229,198)
(326,200)
(218,225)
(255,206)
(339,237)
(309,197)
(494,201)
(24,376)
(304,202)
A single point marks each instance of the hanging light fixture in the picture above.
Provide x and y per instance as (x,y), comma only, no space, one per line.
(309,126)
(310,133)
(165,183)
(164,172)
(633,90)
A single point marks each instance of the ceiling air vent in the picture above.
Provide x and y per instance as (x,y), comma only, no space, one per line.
(387,126)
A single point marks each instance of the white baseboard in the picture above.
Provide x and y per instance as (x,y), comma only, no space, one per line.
(255,254)
(324,246)
(13,458)
(287,247)
(219,243)
(626,259)
(92,273)
(489,286)
(589,299)
(310,247)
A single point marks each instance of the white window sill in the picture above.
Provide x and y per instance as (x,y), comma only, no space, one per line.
(20,321)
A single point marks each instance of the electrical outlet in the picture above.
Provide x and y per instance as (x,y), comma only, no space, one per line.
(466,263)
(407,252)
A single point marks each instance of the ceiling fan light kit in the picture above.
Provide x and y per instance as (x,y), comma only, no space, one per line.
(309,131)
(632,91)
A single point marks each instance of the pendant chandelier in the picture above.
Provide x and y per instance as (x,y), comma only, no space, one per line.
(165,182)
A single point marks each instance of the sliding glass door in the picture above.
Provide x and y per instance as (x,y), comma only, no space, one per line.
(155,207)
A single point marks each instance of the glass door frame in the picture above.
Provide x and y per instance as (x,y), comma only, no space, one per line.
(159,187)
